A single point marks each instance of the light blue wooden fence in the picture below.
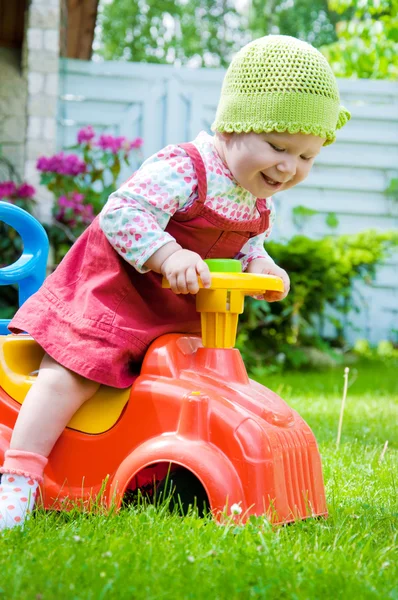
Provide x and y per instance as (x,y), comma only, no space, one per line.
(165,105)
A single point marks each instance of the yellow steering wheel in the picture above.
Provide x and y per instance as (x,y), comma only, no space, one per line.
(222,303)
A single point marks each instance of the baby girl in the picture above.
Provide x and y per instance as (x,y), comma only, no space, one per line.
(96,315)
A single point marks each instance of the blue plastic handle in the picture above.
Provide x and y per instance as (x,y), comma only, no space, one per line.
(29,271)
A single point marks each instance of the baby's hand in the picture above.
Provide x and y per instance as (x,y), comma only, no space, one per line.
(268,267)
(181,270)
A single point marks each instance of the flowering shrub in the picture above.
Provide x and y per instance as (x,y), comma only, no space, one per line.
(10,242)
(82,182)
(62,164)
(73,211)
(21,195)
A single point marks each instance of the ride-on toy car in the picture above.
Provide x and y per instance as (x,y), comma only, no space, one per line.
(191,410)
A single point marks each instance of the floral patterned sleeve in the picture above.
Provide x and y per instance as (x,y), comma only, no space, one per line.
(254,248)
(136,215)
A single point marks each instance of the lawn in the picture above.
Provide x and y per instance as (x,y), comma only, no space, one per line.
(148,553)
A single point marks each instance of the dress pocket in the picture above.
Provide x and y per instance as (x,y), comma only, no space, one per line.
(228,245)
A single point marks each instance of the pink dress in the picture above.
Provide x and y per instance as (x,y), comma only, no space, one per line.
(96,314)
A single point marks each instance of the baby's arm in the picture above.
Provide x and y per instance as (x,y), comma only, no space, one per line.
(266,266)
(180,267)
(255,259)
(135,216)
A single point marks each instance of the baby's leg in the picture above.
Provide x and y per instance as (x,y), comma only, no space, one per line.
(48,407)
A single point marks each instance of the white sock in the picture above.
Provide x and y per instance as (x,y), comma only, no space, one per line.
(17,499)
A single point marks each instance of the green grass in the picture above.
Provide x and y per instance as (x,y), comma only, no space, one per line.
(148,553)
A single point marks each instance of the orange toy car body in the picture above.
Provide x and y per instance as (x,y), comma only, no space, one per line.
(192,407)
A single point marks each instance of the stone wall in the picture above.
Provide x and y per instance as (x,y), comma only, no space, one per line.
(13,95)
(40,65)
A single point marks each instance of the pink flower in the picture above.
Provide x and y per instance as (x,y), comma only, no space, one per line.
(82,213)
(137,143)
(77,198)
(115,144)
(69,164)
(64,202)
(7,189)
(109,142)
(25,191)
(41,164)
(86,134)
(74,201)
(72,165)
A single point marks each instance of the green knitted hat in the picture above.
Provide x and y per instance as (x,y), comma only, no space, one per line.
(279,83)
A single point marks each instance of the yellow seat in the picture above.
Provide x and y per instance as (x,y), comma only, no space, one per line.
(20,357)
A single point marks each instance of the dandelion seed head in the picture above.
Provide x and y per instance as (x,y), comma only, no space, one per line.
(236,509)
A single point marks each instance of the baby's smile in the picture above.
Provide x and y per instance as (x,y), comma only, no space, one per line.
(272,183)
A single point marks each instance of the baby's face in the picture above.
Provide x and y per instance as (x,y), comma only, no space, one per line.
(266,163)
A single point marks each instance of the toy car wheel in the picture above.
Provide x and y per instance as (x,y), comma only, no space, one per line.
(168,483)
(183,491)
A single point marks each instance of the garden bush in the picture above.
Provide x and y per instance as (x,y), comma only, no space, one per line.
(322,274)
